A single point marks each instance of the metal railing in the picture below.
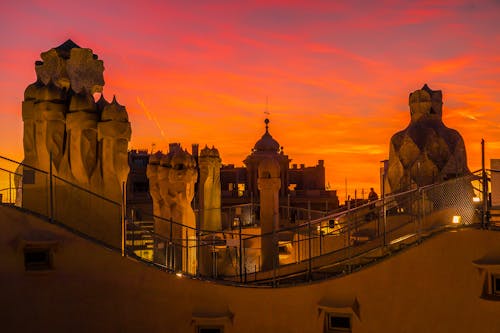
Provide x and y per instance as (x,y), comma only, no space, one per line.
(308,246)
(314,249)
(63,202)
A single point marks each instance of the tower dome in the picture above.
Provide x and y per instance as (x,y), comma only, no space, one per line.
(266,142)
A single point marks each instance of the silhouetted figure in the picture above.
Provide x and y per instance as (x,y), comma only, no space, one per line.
(372,196)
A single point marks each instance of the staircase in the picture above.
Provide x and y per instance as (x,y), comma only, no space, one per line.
(494,216)
(139,238)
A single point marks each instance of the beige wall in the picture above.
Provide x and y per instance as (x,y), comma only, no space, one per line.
(434,287)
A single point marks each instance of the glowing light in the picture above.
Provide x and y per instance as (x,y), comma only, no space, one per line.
(179,274)
(476,199)
(457,219)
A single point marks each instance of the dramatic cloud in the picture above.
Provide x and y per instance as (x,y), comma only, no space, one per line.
(337,74)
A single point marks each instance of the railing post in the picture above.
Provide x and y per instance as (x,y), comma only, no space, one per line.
(123,212)
(198,222)
(214,262)
(422,217)
(252,221)
(288,208)
(10,188)
(171,249)
(348,217)
(384,211)
(309,236)
(198,251)
(241,251)
(186,265)
(166,246)
(51,193)
(484,219)
(132,213)
(275,255)
(320,240)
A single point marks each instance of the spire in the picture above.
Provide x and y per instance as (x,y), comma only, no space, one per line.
(102,102)
(267,114)
(266,142)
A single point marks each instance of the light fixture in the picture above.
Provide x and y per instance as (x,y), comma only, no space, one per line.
(457,219)
(179,274)
(476,199)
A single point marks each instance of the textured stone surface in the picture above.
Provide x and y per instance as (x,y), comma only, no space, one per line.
(62,119)
(210,189)
(70,66)
(172,179)
(426,151)
(269,183)
(88,141)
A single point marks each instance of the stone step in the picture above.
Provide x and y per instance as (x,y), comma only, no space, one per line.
(494,217)
(494,213)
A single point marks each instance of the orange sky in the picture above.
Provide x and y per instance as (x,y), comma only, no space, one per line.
(337,74)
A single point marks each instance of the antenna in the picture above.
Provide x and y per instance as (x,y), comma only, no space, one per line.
(267,106)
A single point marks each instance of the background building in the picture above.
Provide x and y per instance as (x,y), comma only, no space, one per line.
(301,186)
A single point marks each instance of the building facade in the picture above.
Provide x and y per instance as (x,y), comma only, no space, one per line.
(301,186)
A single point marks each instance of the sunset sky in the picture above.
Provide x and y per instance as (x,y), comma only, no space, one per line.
(337,74)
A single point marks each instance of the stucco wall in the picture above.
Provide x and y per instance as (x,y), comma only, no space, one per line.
(434,287)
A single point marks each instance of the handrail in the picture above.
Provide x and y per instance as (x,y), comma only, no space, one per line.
(23,164)
(348,242)
(9,171)
(87,191)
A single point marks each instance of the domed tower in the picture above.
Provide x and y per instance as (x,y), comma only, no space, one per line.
(266,147)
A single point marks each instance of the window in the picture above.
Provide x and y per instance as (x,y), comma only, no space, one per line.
(282,249)
(495,283)
(37,259)
(28,176)
(489,270)
(335,322)
(211,322)
(141,187)
(241,189)
(209,329)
